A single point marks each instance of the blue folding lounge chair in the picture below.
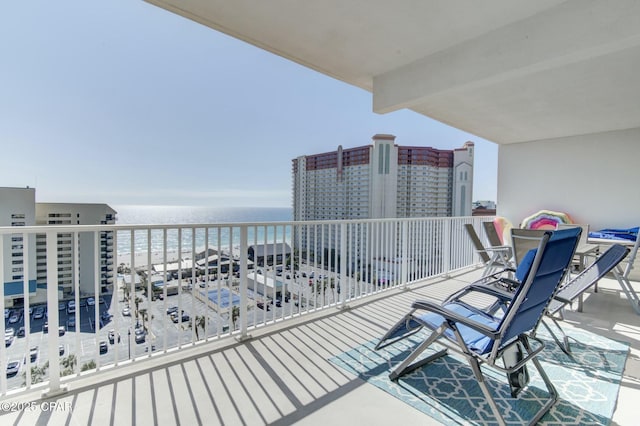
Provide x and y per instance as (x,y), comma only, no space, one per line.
(573,289)
(483,338)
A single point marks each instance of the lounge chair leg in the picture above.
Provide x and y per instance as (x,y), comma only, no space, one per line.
(553,393)
(397,373)
(406,366)
(564,345)
(477,372)
(408,323)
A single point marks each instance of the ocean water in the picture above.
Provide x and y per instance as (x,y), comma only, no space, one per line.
(224,237)
(160,215)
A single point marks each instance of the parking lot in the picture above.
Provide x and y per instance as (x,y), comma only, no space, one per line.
(121,335)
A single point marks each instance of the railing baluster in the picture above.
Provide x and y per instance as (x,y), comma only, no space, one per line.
(3,351)
(404,272)
(52,307)
(115,306)
(26,241)
(243,282)
(165,280)
(96,282)
(343,268)
(194,288)
(147,324)
(132,292)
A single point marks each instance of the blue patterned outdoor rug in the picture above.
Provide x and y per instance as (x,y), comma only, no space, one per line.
(446,390)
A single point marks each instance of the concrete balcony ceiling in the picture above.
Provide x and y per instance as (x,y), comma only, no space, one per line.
(505,70)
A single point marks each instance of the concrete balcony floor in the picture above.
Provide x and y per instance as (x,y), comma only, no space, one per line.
(282,375)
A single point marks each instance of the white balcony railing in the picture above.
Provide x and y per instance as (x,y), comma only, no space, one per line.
(252,275)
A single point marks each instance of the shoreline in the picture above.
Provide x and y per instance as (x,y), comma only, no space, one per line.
(141,258)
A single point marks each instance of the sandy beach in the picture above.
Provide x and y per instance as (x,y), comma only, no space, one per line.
(141,258)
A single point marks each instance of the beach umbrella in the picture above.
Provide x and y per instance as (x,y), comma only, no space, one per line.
(545,219)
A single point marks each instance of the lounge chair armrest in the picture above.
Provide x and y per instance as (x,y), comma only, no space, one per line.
(562,299)
(498,248)
(492,291)
(486,287)
(496,275)
(453,317)
(510,283)
(502,251)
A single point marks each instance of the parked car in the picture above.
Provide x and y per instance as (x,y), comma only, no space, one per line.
(140,335)
(91,301)
(7,313)
(21,332)
(62,306)
(103,347)
(33,353)
(38,313)
(71,310)
(14,318)
(71,304)
(61,349)
(61,330)
(13,368)
(172,309)
(112,336)
(261,305)
(101,300)
(126,311)
(45,327)
(71,322)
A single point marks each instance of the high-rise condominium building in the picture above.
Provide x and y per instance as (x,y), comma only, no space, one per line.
(18,208)
(383,180)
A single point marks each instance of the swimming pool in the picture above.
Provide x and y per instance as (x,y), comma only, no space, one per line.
(226,297)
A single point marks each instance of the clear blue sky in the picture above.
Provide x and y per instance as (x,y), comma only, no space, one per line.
(124,103)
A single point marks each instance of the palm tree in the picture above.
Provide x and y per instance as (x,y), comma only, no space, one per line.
(199,321)
(125,292)
(137,301)
(235,314)
(69,364)
(88,366)
(37,374)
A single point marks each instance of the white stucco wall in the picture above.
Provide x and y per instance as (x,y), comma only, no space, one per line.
(595,178)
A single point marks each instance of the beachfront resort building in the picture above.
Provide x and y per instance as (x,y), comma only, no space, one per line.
(377,181)
(383,180)
(19,208)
